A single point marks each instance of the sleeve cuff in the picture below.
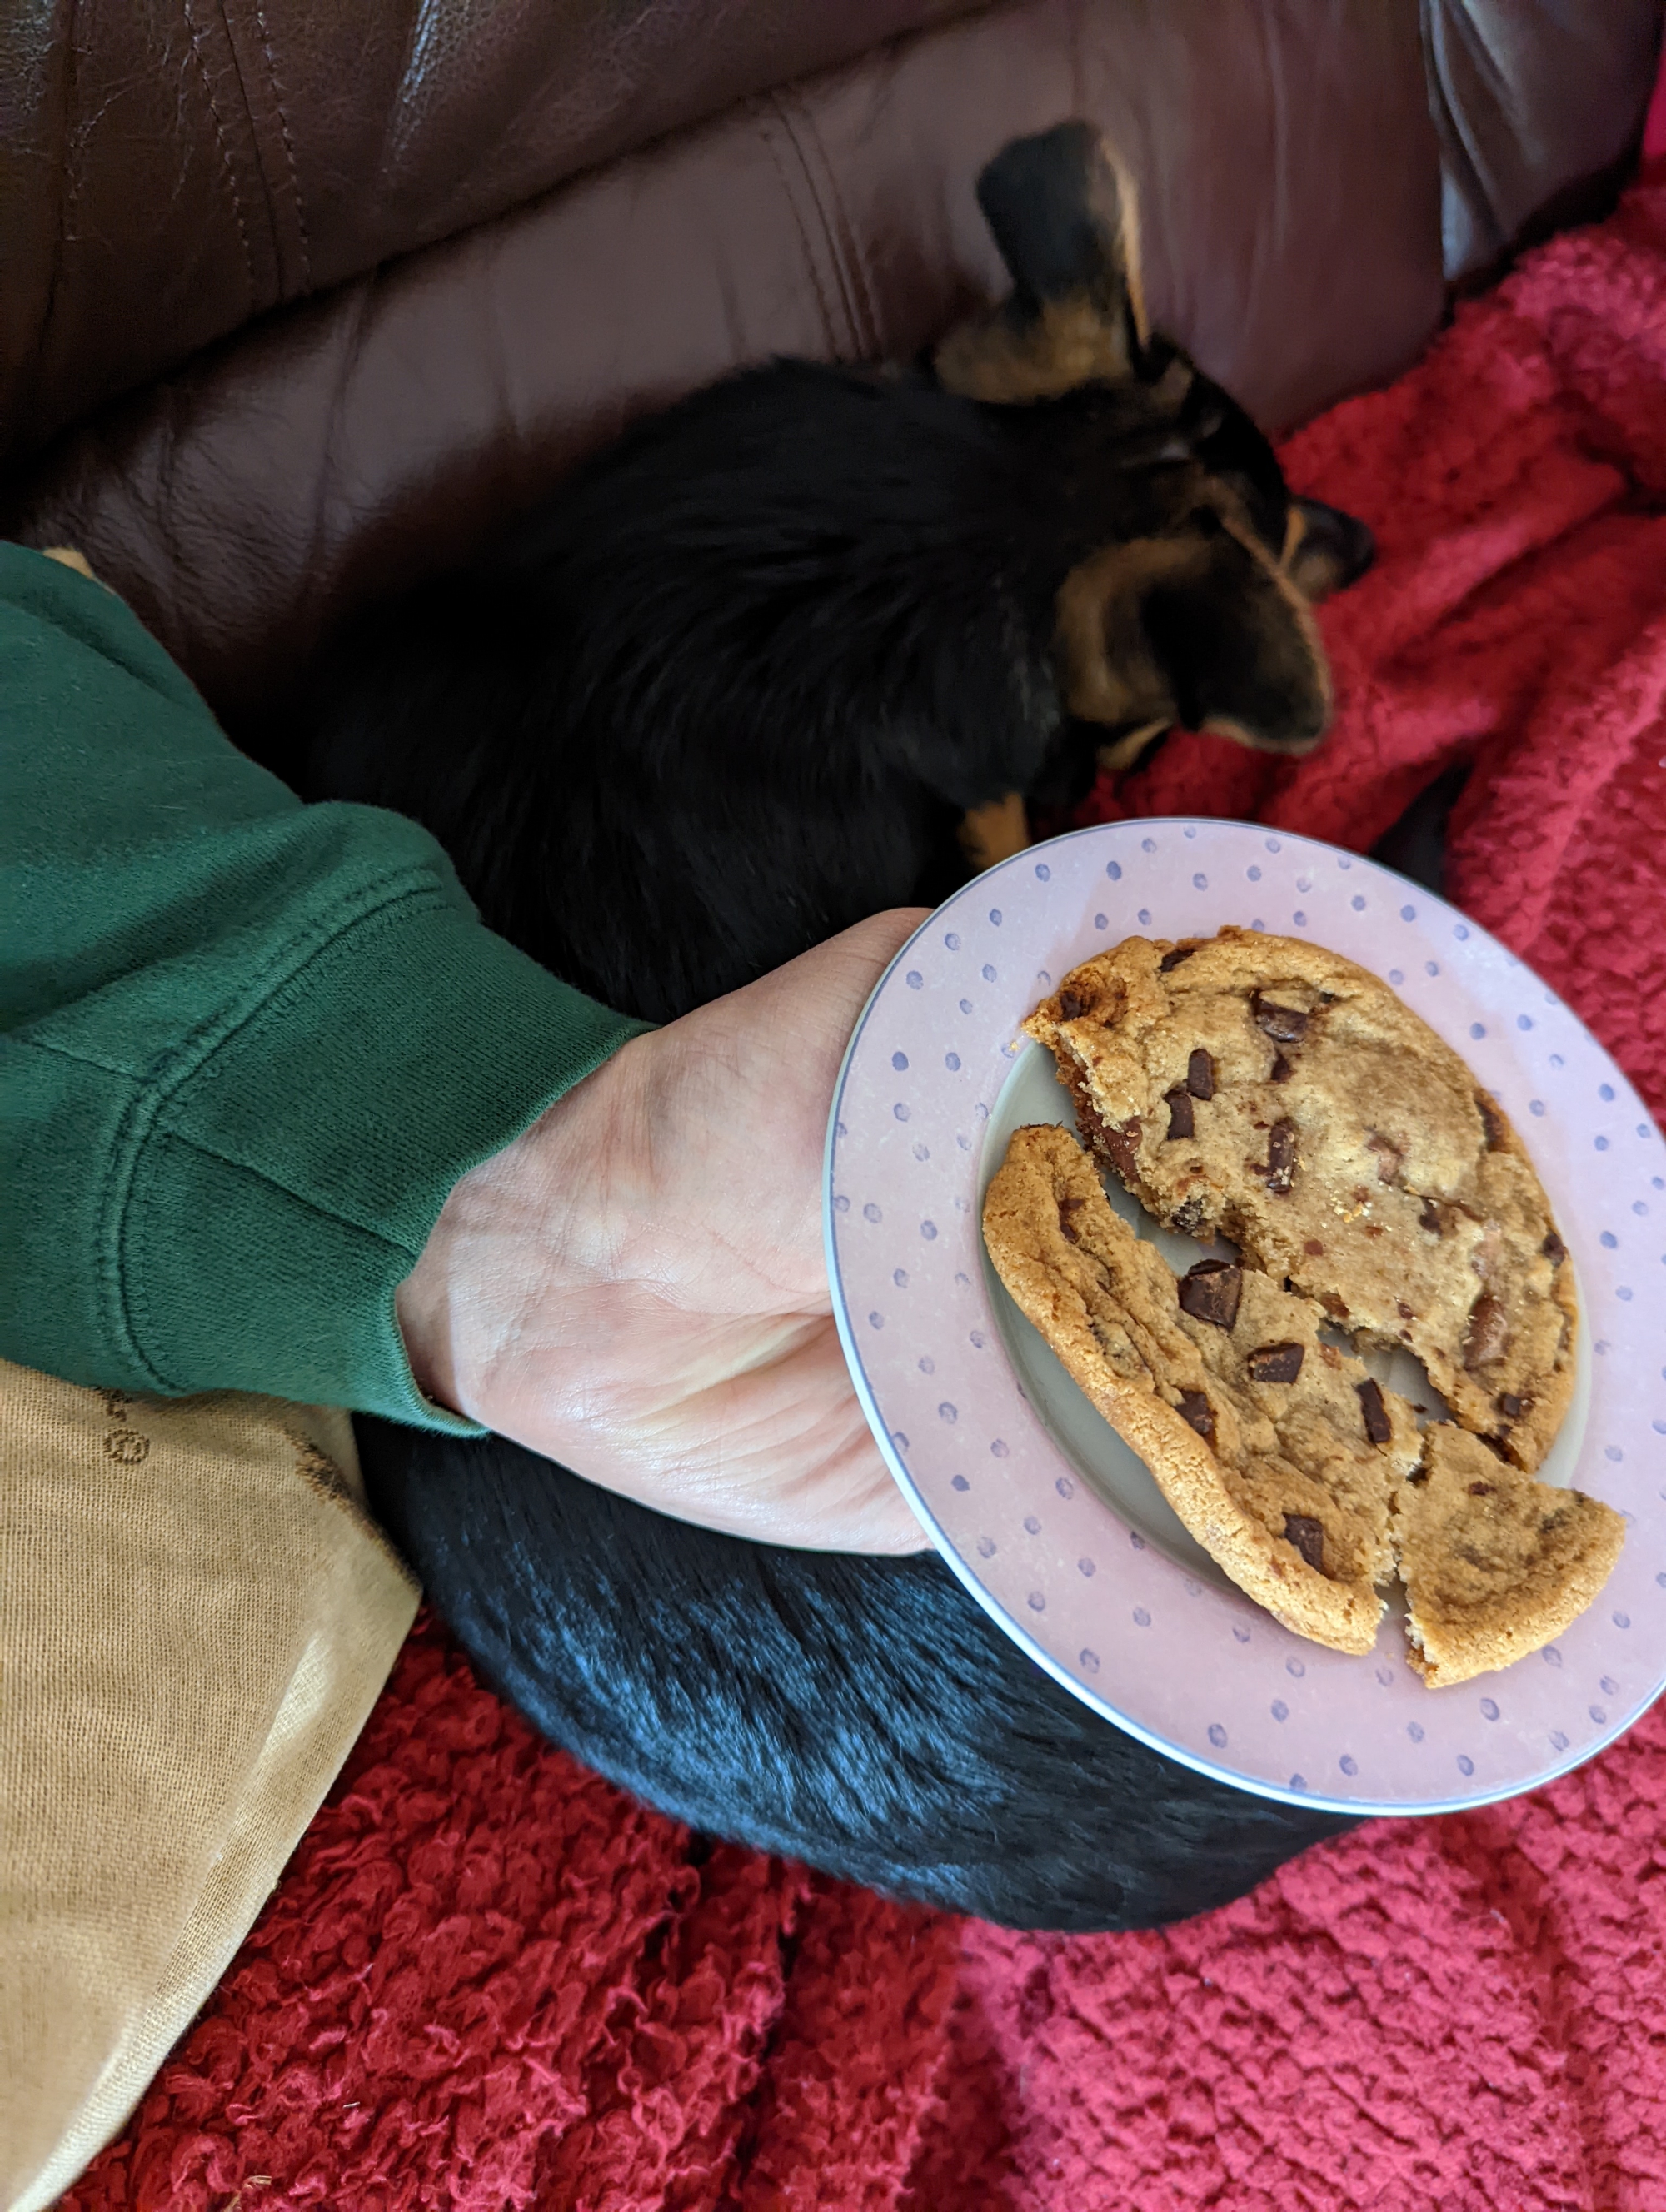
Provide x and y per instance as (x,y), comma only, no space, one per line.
(291,1181)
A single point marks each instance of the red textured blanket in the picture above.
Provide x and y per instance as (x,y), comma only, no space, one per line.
(488,1981)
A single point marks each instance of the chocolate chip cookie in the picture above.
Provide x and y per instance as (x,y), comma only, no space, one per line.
(1278,1452)
(1273,1093)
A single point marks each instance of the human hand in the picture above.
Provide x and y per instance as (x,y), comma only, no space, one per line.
(636,1285)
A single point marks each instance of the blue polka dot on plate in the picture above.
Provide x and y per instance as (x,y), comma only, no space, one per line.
(1280,1711)
(1466,1764)
(1217,1735)
(994,915)
(1408,913)
(899,1060)
(1114,870)
(914,979)
(1349,1764)
(1141,1618)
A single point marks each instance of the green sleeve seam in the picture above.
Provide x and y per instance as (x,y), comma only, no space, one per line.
(154,1094)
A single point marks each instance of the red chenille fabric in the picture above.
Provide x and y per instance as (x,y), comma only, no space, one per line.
(488,1982)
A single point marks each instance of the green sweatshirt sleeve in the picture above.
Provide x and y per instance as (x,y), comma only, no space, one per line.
(249,1045)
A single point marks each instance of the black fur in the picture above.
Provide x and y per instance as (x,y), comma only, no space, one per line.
(865,1715)
(732,689)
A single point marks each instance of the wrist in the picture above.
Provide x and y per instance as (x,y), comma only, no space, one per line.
(511,1229)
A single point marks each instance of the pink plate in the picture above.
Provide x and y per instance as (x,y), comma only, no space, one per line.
(1050,1521)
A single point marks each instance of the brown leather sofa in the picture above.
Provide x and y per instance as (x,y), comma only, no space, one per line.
(297,297)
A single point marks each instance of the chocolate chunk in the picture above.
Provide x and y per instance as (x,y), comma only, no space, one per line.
(1201,1074)
(1276,1363)
(1188,1217)
(1171,961)
(1335,1305)
(1195,1408)
(1120,1144)
(1491,1119)
(1480,1490)
(1307,1535)
(1553,1250)
(1488,1333)
(1378,1427)
(1286,1024)
(1283,1069)
(1179,1104)
(1210,1291)
(1404,1310)
(1510,1405)
(1429,1218)
(1071,1007)
(1066,1227)
(1313,1248)
(1280,1158)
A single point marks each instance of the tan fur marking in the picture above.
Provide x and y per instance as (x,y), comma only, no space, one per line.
(1071,342)
(1110,672)
(994,832)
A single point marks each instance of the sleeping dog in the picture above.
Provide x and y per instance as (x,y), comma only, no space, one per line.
(802,647)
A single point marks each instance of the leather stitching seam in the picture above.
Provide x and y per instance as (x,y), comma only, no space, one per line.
(289,149)
(195,38)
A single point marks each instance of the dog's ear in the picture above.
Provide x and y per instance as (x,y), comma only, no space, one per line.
(1062,210)
(1325,551)
(1199,629)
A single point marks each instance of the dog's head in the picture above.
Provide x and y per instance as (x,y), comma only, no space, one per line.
(1203,618)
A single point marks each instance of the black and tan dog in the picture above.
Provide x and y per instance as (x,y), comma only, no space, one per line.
(793,652)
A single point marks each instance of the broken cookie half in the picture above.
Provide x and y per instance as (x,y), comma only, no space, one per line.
(1308,1482)
(1279,1453)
